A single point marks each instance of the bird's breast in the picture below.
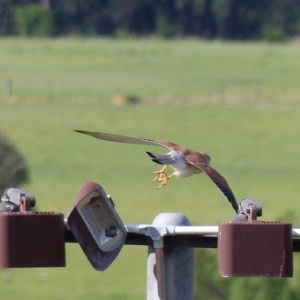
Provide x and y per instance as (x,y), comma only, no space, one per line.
(187,172)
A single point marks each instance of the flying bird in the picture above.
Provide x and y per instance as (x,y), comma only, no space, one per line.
(185,162)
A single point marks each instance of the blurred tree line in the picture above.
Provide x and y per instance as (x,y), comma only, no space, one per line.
(210,19)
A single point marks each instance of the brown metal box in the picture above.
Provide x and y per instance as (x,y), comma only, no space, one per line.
(32,239)
(255,248)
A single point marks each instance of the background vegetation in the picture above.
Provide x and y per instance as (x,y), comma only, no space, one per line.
(13,169)
(237,102)
(222,19)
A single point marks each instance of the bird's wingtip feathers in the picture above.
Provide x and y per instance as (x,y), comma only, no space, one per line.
(80,131)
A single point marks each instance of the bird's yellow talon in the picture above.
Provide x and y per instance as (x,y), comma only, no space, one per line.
(161,185)
(160,175)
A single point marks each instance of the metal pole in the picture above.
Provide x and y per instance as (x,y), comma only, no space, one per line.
(178,263)
(160,273)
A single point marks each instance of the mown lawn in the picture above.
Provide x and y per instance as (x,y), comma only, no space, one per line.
(237,102)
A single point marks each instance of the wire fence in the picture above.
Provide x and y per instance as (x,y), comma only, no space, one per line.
(279,96)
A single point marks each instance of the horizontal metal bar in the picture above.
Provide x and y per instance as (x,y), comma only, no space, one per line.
(197,230)
(175,230)
(296,232)
(188,230)
(179,236)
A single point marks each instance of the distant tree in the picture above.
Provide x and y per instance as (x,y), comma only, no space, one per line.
(263,288)
(282,20)
(6,19)
(165,12)
(240,19)
(34,20)
(203,23)
(186,18)
(83,17)
(13,169)
(134,16)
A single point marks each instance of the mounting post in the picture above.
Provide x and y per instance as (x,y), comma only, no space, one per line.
(169,269)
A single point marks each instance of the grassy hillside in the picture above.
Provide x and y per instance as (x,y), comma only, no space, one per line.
(237,102)
(91,71)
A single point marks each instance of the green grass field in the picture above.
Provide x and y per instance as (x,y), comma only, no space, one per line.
(238,102)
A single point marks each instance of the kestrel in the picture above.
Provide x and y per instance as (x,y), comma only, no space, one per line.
(185,162)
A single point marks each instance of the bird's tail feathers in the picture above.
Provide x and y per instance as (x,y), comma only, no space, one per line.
(162,159)
(150,154)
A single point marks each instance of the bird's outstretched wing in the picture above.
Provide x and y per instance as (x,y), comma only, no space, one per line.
(220,182)
(200,160)
(126,139)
